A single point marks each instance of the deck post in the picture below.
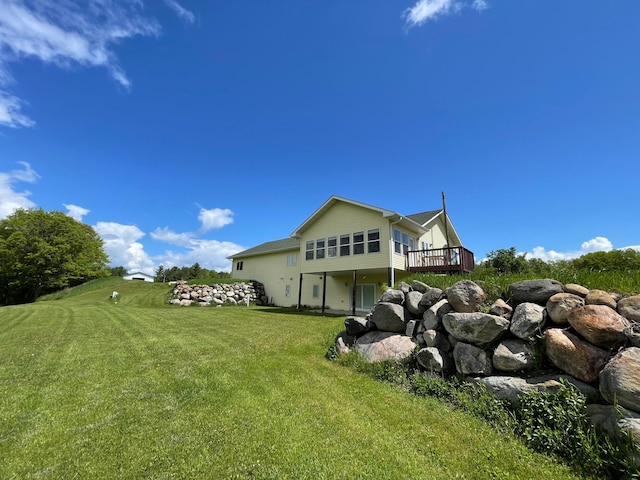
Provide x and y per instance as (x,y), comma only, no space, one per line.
(324,290)
(353,294)
(300,292)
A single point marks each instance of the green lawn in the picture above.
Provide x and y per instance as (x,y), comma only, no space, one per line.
(91,389)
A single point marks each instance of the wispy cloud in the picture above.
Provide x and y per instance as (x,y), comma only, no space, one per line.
(425,10)
(76,212)
(182,12)
(68,33)
(10,199)
(214,218)
(122,245)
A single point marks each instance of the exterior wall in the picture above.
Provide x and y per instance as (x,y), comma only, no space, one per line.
(345,218)
(339,290)
(271,270)
(436,236)
(139,276)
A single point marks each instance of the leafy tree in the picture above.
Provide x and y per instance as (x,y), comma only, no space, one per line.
(507,261)
(118,271)
(612,261)
(41,252)
(195,270)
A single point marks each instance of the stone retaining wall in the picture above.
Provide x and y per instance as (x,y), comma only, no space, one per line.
(239,293)
(591,339)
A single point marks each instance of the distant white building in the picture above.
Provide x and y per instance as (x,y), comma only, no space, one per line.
(138,276)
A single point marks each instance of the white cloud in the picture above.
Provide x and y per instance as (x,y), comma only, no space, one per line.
(67,33)
(76,212)
(214,218)
(425,10)
(168,236)
(182,12)
(122,246)
(11,200)
(597,244)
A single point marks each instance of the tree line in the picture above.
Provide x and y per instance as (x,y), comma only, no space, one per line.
(194,272)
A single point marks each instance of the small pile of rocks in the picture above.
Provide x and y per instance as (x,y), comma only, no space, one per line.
(238,293)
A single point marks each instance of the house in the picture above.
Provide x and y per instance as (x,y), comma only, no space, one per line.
(346,252)
(139,276)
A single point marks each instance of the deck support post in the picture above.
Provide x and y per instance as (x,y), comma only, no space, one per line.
(324,290)
(353,293)
(300,292)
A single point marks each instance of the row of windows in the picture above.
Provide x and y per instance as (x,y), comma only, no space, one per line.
(344,245)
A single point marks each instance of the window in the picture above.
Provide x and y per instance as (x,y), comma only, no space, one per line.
(373,241)
(310,249)
(345,245)
(320,248)
(332,247)
(403,242)
(358,243)
(239,265)
(292,259)
(316,291)
(287,291)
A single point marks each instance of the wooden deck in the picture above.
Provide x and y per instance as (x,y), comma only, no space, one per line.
(441,260)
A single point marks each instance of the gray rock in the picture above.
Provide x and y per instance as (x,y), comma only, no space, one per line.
(344,343)
(511,388)
(570,354)
(465,296)
(527,320)
(432,317)
(560,304)
(533,291)
(434,360)
(430,297)
(620,379)
(433,338)
(392,296)
(476,328)
(412,302)
(629,308)
(357,325)
(412,327)
(380,346)
(404,287)
(471,360)
(512,355)
(419,286)
(389,317)
(502,309)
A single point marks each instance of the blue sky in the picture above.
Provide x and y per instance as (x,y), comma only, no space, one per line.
(186,131)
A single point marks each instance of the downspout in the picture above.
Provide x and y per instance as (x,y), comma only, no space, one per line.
(392,276)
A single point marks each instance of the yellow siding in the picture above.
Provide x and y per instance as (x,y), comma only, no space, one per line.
(345,218)
(271,269)
(436,236)
(339,289)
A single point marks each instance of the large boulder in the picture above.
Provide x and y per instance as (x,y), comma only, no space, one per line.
(578,358)
(465,296)
(599,325)
(381,346)
(512,355)
(357,325)
(576,289)
(629,308)
(511,388)
(477,328)
(560,304)
(434,360)
(432,317)
(600,297)
(430,297)
(471,360)
(389,317)
(533,291)
(620,379)
(344,343)
(412,302)
(419,286)
(391,295)
(527,320)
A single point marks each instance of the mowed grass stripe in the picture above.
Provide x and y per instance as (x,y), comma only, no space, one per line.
(117,391)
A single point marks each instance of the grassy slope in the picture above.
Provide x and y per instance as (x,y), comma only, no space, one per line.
(92,389)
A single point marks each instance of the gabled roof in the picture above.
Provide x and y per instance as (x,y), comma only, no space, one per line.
(269,247)
(424,217)
(392,216)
